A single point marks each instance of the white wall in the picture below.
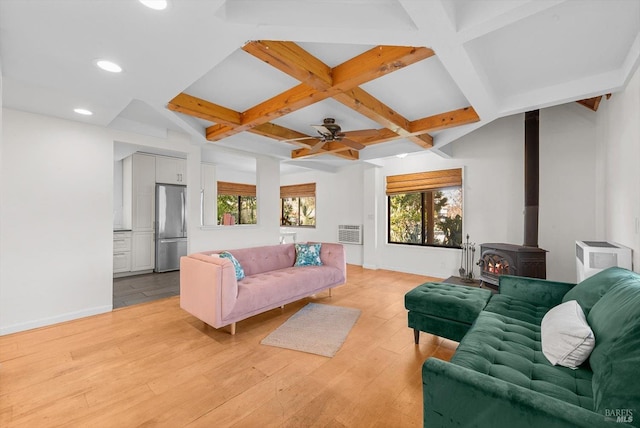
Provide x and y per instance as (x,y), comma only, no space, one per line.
(56,205)
(266,232)
(569,195)
(492,159)
(56,221)
(619,130)
(339,200)
(118,213)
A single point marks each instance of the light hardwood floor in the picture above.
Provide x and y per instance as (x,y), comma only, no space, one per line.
(155,365)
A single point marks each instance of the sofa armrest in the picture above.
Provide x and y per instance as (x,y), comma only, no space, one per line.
(334,255)
(457,396)
(540,292)
(208,288)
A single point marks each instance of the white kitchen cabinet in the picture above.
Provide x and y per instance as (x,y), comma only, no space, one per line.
(139,192)
(142,251)
(171,170)
(139,211)
(121,252)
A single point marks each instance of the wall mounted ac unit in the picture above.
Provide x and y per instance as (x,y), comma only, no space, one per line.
(595,256)
(350,234)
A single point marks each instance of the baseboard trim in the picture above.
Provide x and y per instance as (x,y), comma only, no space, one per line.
(44,322)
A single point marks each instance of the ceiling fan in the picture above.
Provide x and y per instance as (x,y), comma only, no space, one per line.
(330,131)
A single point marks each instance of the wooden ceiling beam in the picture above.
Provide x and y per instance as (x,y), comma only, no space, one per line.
(280,133)
(366,104)
(419,128)
(361,69)
(592,103)
(193,106)
(451,119)
(291,59)
(291,100)
(333,148)
(320,82)
(375,63)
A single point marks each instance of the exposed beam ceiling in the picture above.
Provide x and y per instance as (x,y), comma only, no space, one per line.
(443,65)
(319,82)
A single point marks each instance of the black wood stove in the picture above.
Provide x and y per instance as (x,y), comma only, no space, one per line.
(509,259)
(528,259)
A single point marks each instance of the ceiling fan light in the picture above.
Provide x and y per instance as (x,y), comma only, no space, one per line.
(155,4)
(109,66)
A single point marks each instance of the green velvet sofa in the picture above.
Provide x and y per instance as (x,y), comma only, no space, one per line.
(499,376)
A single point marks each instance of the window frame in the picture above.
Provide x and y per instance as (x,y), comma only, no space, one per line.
(298,192)
(239,191)
(426,184)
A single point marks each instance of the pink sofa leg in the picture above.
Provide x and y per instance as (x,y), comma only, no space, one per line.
(233,328)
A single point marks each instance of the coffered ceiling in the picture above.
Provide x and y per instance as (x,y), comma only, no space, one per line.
(249,76)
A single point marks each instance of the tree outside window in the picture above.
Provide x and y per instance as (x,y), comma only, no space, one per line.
(298,211)
(237,203)
(422,211)
(298,205)
(243,209)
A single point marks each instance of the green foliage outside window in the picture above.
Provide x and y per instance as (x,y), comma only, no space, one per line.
(427,218)
(298,211)
(242,208)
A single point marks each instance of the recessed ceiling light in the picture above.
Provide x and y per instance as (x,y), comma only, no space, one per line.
(401,155)
(155,4)
(83,111)
(108,66)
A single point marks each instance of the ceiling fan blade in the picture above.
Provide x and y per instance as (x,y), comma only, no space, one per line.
(298,139)
(352,144)
(361,133)
(316,148)
(323,130)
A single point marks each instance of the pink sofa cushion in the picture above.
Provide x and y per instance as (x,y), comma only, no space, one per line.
(257,260)
(263,290)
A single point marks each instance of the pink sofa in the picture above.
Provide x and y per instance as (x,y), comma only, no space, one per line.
(209,289)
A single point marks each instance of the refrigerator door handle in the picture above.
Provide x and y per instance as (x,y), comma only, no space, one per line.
(170,240)
(183,199)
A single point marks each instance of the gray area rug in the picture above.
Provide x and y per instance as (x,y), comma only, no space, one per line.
(316,329)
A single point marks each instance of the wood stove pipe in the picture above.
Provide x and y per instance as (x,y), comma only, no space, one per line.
(531,177)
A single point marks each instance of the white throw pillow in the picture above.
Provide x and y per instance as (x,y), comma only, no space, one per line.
(567,339)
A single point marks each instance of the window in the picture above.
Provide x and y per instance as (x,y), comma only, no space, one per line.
(236,203)
(298,205)
(425,208)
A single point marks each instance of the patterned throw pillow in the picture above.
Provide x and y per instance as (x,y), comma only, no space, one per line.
(236,264)
(308,255)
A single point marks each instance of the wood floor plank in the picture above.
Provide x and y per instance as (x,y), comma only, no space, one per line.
(153,364)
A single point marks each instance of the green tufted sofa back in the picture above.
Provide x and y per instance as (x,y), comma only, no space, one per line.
(615,360)
(589,291)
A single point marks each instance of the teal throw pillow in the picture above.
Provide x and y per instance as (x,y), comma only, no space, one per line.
(308,255)
(236,264)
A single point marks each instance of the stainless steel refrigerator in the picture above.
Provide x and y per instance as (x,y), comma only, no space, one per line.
(171,226)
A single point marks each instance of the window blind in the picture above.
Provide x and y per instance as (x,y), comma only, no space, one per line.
(298,190)
(423,181)
(236,189)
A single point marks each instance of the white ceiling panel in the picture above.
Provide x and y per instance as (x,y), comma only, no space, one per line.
(562,44)
(499,56)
